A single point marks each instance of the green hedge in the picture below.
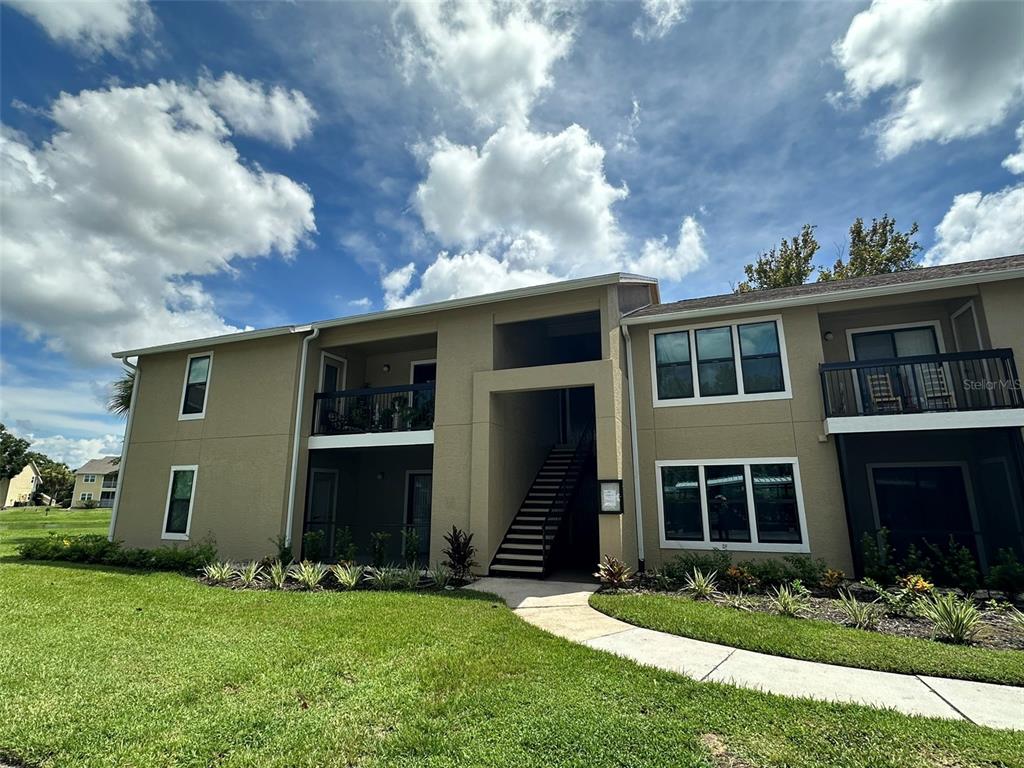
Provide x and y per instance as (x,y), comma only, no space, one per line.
(94,548)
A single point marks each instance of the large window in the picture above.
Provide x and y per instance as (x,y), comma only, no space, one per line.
(194,391)
(720,364)
(181,491)
(736,504)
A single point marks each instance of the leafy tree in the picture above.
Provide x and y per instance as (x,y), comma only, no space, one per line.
(58,482)
(121,393)
(13,454)
(790,265)
(876,250)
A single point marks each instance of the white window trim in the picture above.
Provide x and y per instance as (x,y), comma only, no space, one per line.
(741,396)
(324,356)
(85,496)
(732,546)
(191,503)
(88,478)
(184,387)
(967,307)
(936,324)
(414,363)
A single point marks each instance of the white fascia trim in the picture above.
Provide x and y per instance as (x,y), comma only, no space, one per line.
(208,342)
(912,422)
(826,298)
(372,439)
(191,502)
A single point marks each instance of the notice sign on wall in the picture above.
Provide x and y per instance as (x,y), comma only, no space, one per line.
(611,496)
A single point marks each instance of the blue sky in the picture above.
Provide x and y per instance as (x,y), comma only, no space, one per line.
(173,170)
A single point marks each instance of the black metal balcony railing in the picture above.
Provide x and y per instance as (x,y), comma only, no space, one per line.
(109,485)
(376,409)
(957,381)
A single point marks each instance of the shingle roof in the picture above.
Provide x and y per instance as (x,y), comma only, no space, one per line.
(101,466)
(812,290)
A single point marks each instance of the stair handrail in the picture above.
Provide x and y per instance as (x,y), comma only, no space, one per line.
(565,492)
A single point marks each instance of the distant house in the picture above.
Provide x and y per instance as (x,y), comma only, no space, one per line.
(19,489)
(96,480)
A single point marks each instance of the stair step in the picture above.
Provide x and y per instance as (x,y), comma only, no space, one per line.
(518,556)
(518,568)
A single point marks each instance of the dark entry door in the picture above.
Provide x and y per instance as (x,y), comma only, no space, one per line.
(423,372)
(924,503)
(418,492)
(320,511)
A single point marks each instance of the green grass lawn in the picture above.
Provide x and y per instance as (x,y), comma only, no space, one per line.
(21,523)
(103,667)
(813,640)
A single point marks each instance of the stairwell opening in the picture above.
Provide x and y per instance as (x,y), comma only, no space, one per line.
(544,483)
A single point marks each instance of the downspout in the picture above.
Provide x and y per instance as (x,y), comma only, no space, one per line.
(124,448)
(298,436)
(633,443)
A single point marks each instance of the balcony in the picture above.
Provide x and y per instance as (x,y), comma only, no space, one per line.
(374,410)
(930,389)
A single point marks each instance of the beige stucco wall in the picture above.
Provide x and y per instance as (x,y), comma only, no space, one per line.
(242,447)
(19,489)
(746,430)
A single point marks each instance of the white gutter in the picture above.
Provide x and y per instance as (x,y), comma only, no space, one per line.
(633,443)
(298,432)
(124,449)
(812,299)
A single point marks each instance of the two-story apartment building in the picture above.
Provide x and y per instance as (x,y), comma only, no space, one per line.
(567,421)
(96,483)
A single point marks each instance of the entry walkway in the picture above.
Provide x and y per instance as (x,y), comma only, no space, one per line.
(561,608)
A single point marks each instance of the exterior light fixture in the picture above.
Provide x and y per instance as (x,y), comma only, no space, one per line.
(829,335)
(386,368)
(611,497)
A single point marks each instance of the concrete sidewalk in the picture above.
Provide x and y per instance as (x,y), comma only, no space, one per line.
(562,609)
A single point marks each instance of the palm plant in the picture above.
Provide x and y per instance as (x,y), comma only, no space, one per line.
(307,573)
(348,575)
(220,572)
(250,574)
(278,574)
(787,602)
(385,577)
(857,614)
(701,586)
(120,400)
(954,619)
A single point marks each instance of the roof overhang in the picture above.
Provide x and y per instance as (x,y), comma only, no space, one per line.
(849,294)
(543,289)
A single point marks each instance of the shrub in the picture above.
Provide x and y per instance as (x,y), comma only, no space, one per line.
(460,553)
(348,575)
(410,576)
(660,580)
(277,574)
(385,577)
(94,548)
(858,614)
(917,562)
(90,504)
(739,601)
(178,558)
(898,601)
(440,575)
(738,578)
(915,583)
(954,619)
(832,579)
(250,574)
(1007,575)
(877,556)
(676,569)
(344,545)
(955,567)
(787,602)
(411,546)
(701,586)
(312,545)
(379,548)
(283,548)
(613,573)
(807,569)
(769,573)
(308,573)
(219,573)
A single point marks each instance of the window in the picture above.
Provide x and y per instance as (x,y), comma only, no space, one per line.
(89,478)
(720,363)
(332,372)
(761,358)
(181,491)
(197,378)
(734,504)
(85,497)
(672,361)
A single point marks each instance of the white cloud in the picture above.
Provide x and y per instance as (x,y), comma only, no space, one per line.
(76,451)
(1015,163)
(252,109)
(137,193)
(625,140)
(364,303)
(980,226)
(954,69)
(548,190)
(673,263)
(396,282)
(495,56)
(92,27)
(659,17)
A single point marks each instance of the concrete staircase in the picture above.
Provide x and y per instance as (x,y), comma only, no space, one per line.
(523,552)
